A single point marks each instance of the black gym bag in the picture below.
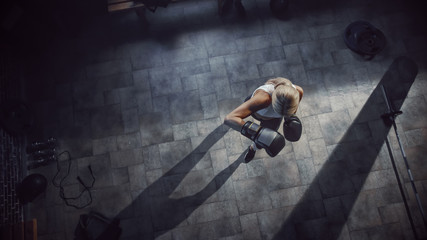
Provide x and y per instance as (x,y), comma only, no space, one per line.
(94,226)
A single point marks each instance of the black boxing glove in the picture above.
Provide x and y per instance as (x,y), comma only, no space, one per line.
(250,130)
(292,128)
(272,141)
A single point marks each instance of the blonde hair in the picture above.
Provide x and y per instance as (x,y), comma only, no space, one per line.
(285,98)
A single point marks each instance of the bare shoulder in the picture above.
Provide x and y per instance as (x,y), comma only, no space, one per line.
(260,100)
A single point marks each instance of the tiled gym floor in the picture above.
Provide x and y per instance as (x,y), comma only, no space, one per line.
(144,106)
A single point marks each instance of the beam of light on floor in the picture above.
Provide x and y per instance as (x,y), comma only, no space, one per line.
(353,156)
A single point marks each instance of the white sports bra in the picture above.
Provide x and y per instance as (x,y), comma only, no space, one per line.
(268,112)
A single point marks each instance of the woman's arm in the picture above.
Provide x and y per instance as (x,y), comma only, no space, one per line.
(235,118)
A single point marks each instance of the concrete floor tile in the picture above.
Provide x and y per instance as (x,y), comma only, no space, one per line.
(115,81)
(311,127)
(364,212)
(155,128)
(298,75)
(104,145)
(225,188)
(415,157)
(241,172)
(209,106)
(319,151)
(327,31)
(316,101)
(185,130)
(184,55)
(256,168)
(391,213)
(151,156)
(206,83)
(189,83)
(219,160)
(238,90)
(146,55)
(205,161)
(120,176)
(250,228)
(212,230)
(275,69)
(292,35)
(282,172)
(284,197)
(195,67)
(416,137)
(240,69)
(315,229)
(359,234)
(258,42)
(292,54)
(141,80)
(125,158)
(234,144)
(415,110)
(333,174)
(252,197)
(333,79)
(271,224)
(130,120)
(340,102)
(227,105)
(175,152)
(316,54)
(185,107)
(129,141)
(144,102)
(164,81)
(213,211)
(334,125)
(301,148)
(137,178)
(106,121)
(208,126)
(220,42)
(213,141)
(307,170)
(390,231)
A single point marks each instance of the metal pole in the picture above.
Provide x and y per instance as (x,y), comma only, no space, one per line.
(399,183)
(392,115)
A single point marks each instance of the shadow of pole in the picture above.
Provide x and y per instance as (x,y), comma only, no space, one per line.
(153,212)
(353,156)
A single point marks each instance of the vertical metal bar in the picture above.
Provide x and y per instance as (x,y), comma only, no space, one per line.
(392,118)
(399,183)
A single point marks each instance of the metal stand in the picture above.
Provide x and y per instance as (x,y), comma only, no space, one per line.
(389,118)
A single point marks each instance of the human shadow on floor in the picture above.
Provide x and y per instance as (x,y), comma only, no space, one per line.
(154,212)
(351,160)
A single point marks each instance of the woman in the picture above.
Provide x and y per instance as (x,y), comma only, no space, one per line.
(278,98)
